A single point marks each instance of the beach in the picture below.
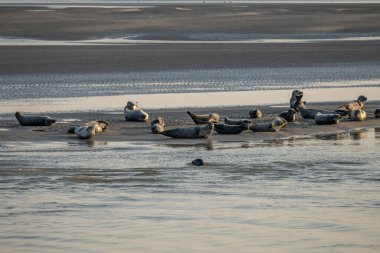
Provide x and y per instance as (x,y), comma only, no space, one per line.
(305,188)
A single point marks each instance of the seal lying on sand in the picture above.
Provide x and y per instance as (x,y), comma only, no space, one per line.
(25,120)
(255,114)
(136,115)
(204,118)
(355,105)
(83,132)
(290,115)
(307,113)
(100,125)
(327,119)
(238,122)
(358,115)
(377,113)
(157,126)
(231,129)
(273,126)
(190,132)
(296,100)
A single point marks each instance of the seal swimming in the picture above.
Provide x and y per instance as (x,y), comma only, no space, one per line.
(327,119)
(296,100)
(290,115)
(229,121)
(29,120)
(274,126)
(355,105)
(100,125)
(231,129)
(358,115)
(377,113)
(83,132)
(255,114)
(200,119)
(157,126)
(190,132)
(136,115)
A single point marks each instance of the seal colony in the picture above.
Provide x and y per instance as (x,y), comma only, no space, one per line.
(206,124)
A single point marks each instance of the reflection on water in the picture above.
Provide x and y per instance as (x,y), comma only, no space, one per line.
(143,197)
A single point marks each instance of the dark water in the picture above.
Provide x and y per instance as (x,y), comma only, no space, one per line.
(314,194)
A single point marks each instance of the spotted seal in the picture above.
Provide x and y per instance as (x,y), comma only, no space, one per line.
(29,120)
(190,132)
(327,119)
(377,113)
(231,129)
(274,126)
(136,115)
(100,125)
(296,100)
(200,119)
(157,126)
(355,104)
(255,114)
(358,115)
(290,115)
(83,132)
(238,122)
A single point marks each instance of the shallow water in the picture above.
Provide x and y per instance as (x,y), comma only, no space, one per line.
(309,194)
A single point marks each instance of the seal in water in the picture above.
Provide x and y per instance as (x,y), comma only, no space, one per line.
(327,119)
(135,115)
(358,115)
(83,132)
(29,120)
(296,100)
(290,115)
(100,125)
(198,162)
(355,105)
(377,113)
(255,114)
(157,126)
(231,129)
(204,118)
(274,126)
(190,132)
(238,122)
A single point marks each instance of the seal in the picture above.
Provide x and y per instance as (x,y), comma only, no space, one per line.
(290,115)
(307,113)
(135,115)
(190,132)
(157,126)
(255,114)
(377,113)
(198,162)
(231,129)
(355,104)
(100,125)
(238,122)
(200,119)
(296,100)
(132,106)
(274,126)
(358,115)
(29,120)
(327,119)
(83,132)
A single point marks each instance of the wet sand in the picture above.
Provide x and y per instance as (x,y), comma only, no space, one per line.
(120,130)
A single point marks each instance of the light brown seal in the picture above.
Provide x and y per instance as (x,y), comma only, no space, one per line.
(190,132)
(358,115)
(100,125)
(157,126)
(355,105)
(231,129)
(327,119)
(255,114)
(200,119)
(30,120)
(238,122)
(83,132)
